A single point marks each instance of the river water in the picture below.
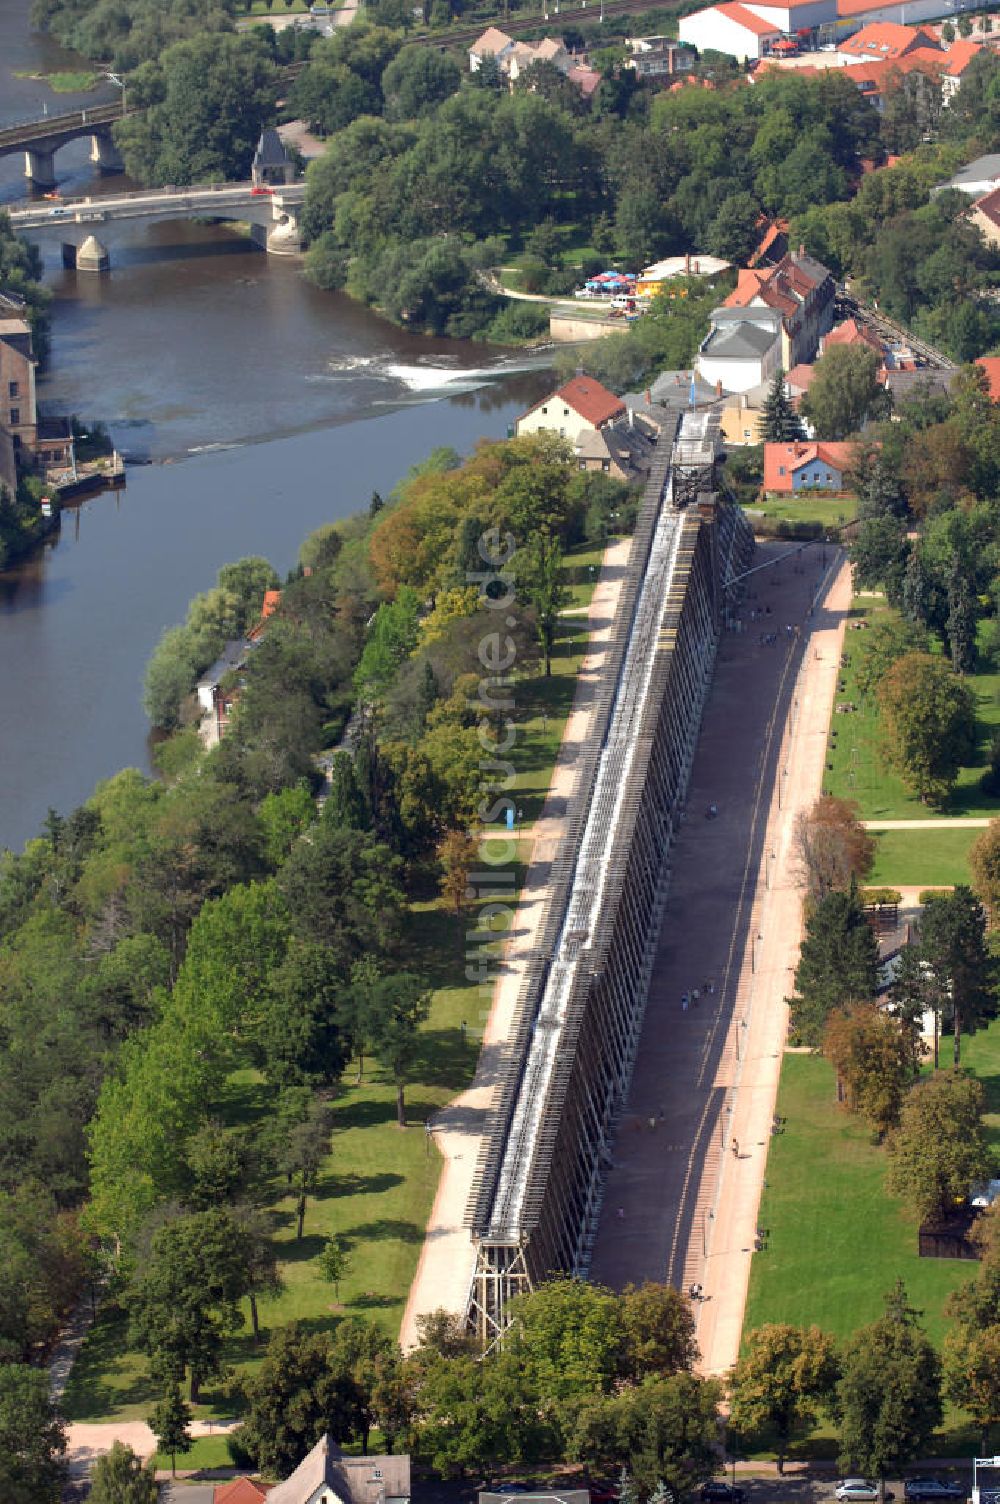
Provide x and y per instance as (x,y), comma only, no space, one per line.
(266,408)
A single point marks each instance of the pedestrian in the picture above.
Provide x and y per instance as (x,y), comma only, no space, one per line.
(652,1124)
(621,1214)
(684,1002)
(695,996)
(736,1148)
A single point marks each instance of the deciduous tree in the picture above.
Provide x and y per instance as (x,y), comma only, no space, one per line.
(32,1438)
(876,1058)
(972,1375)
(120,1477)
(930,724)
(939,1149)
(844,392)
(832,845)
(777,1388)
(953,944)
(170,1423)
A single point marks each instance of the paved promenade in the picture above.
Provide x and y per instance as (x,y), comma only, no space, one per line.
(683,1194)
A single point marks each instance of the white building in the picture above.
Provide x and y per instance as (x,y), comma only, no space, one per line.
(493,43)
(742,348)
(729,27)
(582,405)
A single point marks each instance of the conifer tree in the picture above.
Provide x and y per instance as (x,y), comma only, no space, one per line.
(782,424)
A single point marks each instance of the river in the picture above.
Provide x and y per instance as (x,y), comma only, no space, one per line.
(266,408)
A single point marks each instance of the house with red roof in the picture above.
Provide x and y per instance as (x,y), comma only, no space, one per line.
(985,215)
(802,290)
(886,40)
(582,404)
(241,1491)
(991,365)
(789,468)
(850,332)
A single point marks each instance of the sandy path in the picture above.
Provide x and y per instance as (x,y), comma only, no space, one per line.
(444,1272)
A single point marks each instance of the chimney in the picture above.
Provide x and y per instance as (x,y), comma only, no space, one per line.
(649,397)
(687,261)
(694,268)
(631,417)
(718,387)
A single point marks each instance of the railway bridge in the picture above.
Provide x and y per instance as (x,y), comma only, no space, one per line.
(39,140)
(544,1158)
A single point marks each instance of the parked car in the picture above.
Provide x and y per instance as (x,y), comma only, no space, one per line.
(983,1194)
(849,1489)
(932,1488)
(58,213)
(718,1492)
(258,192)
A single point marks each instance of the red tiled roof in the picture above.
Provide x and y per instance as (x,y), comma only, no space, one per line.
(991,365)
(241,1491)
(850,332)
(775,229)
(882,39)
(792,457)
(800,377)
(587,80)
(960,55)
(989,205)
(588,398)
(733,11)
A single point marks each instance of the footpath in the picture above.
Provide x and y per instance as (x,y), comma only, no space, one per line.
(445,1269)
(682,1198)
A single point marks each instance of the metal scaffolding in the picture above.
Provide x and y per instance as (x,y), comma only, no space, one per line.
(538,1184)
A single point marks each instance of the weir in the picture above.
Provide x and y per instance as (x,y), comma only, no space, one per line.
(538,1184)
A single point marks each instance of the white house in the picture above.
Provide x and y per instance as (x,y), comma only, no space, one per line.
(742,348)
(327,1476)
(582,405)
(728,27)
(494,42)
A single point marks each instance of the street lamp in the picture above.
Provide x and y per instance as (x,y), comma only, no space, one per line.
(119,83)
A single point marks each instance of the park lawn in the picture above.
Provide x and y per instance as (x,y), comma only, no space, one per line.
(378,1185)
(836,1241)
(922,858)
(856,765)
(206,1452)
(585,556)
(833,511)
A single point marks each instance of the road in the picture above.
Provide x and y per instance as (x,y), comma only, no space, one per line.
(214,199)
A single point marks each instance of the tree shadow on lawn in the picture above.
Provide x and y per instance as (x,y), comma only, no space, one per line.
(300,1250)
(332,1187)
(362,1111)
(444,1057)
(89,1395)
(380,1231)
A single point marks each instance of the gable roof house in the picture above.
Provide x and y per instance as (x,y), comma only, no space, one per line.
(886,39)
(241,1491)
(806,467)
(742,348)
(581,404)
(730,27)
(494,43)
(801,290)
(327,1476)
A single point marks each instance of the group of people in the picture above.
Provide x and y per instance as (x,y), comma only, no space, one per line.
(694,995)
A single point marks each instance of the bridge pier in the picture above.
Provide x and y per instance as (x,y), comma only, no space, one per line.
(104,153)
(282,238)
(39,167)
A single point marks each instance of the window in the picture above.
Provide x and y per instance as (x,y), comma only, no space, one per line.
(15,416)
(746,435)
(17,440)
(829,477)
(13,389)
(544,409)
(781,469)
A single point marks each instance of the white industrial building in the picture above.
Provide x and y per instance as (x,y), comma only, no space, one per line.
(749,29)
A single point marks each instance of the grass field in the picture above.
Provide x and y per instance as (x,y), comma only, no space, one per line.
(856,764)
(836,1241)
(66,83)
(379,1182)
(922,858)
(833,511)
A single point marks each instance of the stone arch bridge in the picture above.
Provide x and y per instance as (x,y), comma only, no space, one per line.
(39,140)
